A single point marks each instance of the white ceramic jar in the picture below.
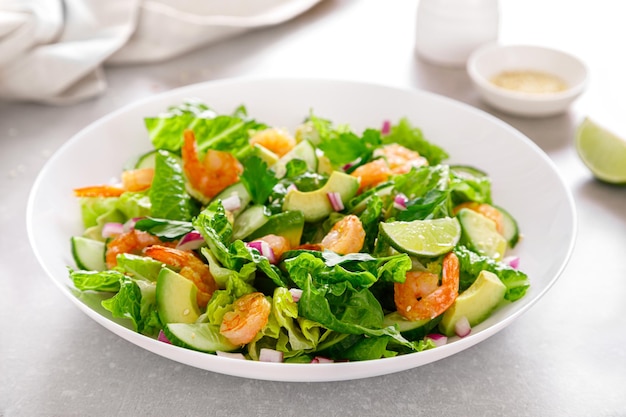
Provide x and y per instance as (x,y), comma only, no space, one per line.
(447,31)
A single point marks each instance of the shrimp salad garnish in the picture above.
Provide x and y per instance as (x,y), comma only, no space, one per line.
(302,244)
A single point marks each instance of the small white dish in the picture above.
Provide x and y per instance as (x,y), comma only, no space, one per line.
(489,61)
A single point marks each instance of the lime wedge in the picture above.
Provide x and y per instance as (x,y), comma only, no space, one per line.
(602,151)
(423,237)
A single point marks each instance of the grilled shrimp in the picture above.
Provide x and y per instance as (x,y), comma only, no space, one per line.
(191,268)
(250,315)
(419,297)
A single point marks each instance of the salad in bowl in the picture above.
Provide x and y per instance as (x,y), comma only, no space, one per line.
(237,238)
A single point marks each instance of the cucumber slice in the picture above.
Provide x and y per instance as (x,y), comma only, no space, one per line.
(88,253)
(240,190)
(411,329)
(404,325)
(480,234)
(146,160)
(250,220)
(465,171)
(203,337)
(510,230)
(304,151)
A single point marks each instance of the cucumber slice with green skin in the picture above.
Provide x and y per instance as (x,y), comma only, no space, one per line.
(304,151)
(411,329)
(510,230)
(203,337)
(146,160)
(480,234)
(88,254)
(176,298)
(240,190)
(465,171)
(250,220)
(288,224)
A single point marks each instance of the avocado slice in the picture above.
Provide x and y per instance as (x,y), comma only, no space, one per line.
(288,224)
(476,303)
(176,298)
(315,205)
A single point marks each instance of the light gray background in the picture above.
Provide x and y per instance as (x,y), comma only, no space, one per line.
(565,357)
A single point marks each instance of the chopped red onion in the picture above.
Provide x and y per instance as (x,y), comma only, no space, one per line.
(130,224)
(386,129)
(255,244)
(399,202)
(232,203)
(462,327)
(112,229)
(268,252)
(264,249)
(163,338)
(438,339)
(232,355)
(512,261)
(191,241)
(335,201)
(270,355)
(296,293)
(321,359)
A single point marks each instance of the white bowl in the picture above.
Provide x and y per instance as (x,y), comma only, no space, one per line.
(525,181)
(488,61)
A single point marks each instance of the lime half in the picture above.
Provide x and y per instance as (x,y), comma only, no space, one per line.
(423,237)
(603,152)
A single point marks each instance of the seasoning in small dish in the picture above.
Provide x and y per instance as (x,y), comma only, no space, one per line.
(529,81)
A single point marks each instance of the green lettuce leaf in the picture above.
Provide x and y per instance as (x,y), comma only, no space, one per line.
(136,301)
(516,281)
(166,130)
(339,299)
(370,218)
(212,131)
(106,281)
(165,229)
(139,267)
(92,208)
(258,179)
(411,137)
(134,204)
(214,226)
(470,189)
(419,181)
(168,196)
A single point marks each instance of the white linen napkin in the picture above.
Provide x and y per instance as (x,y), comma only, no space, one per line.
(53,51)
